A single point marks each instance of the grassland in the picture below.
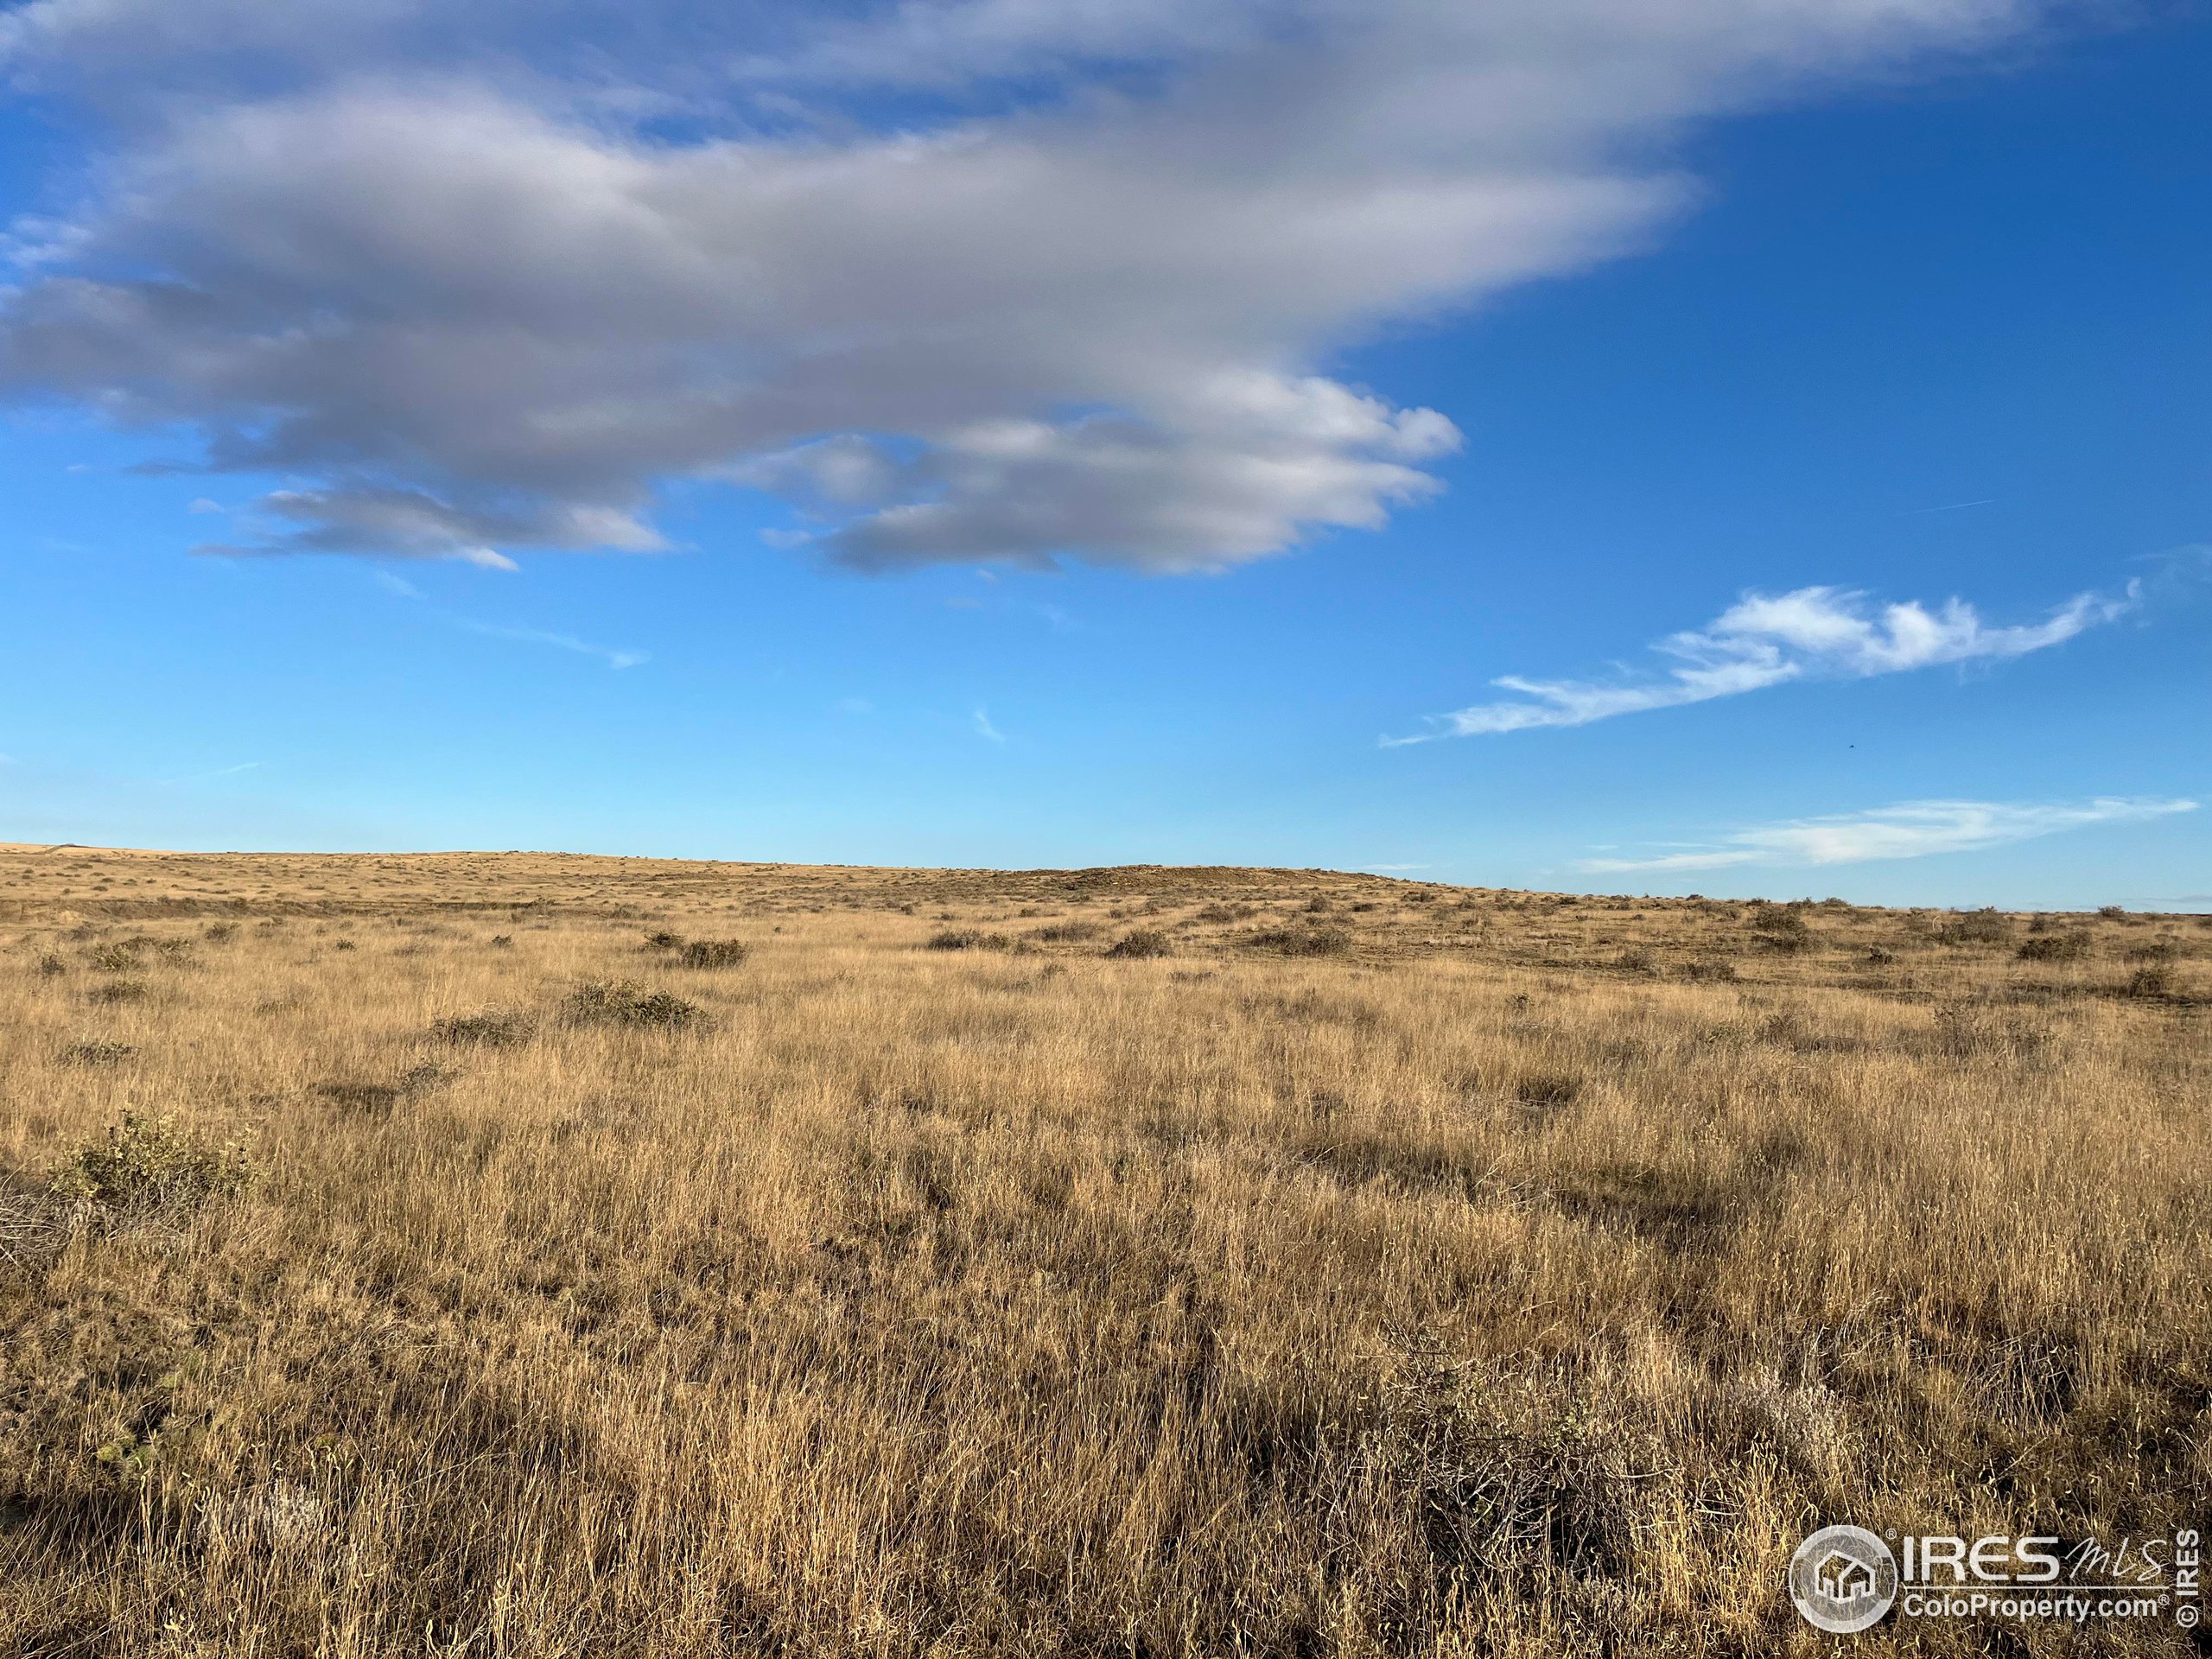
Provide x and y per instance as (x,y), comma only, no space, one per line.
(438,1256)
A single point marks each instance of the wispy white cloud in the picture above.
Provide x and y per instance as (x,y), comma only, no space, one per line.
(1764,640)
(568,642)
(1909,829)
(398,585)
(985,729)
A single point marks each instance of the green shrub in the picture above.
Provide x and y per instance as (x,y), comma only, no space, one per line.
(1546,1089)
(2055,947)
(1985,926)
(1303,941)
(964,939)
(714,953)
(1141,942)
(619,1002)
(493,1028)
(97,1053)
(148,1167)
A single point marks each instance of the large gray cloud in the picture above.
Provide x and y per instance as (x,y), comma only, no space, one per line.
(961,279)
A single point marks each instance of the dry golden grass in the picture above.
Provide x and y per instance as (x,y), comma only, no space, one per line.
(1385,1269)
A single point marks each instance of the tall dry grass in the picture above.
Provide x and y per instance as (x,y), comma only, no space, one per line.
(1499,1276)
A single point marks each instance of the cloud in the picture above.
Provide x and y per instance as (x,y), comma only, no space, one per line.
(1762,641)
(1911,829)
(558,641)
(1023,279)
(985,729)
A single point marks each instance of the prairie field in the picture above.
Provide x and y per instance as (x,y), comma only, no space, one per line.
(513,1254)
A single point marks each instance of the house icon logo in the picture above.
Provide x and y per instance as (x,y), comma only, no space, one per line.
(1843,1579)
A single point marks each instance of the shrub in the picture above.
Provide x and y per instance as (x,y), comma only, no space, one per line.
(1067,932)
(2151,983)
(50,964)
(714,953)
(97,1053)
(1142,942)
(1548,1089)
(221,932)
(1710,970)
(1304,941)
(2112,912)
(493,1028)
(503,941)
(119,990)
(1224,912)
(2055,947)
(1985,926)
(119,958)
(619,1002)
(150,1166)
(663,941)
(965,938)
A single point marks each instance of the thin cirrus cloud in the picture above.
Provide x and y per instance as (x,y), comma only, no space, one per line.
(1766,640)
(1025,280)
(1910,830)
(554,640)
(567,642)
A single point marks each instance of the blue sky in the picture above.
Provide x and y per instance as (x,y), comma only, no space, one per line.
(1134,546)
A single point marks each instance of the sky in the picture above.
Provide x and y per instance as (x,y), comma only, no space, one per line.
(1746,447)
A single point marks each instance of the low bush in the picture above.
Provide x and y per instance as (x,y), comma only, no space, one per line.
(146,1168)
(2151,983)
(1141,942)
(97,1053)
(1985,926)
(619,1002)
(714,953)
(1303,941)
(493,1028)
(2054,947)
(1237,912)
(966,939)
(1548,1089)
